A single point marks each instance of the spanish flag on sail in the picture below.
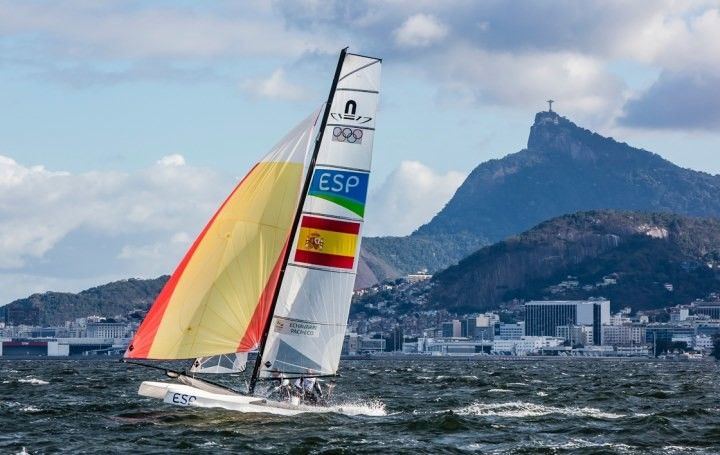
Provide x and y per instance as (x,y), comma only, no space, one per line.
(327,242)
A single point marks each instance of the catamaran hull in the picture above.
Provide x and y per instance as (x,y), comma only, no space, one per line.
(188,396)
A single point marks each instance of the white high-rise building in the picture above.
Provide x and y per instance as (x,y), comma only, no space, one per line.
(543,317)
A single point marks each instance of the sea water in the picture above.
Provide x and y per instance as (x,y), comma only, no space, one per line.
(570,406)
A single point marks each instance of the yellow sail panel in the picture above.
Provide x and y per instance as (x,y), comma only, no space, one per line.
(217,300)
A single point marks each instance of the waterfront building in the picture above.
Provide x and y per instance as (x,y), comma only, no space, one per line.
(710,330)
(511,331)
(703,343)
(642,350)
(62,347)
(410,347)
(351,344)
(711,309)
(543,317)
(467,328)
(370,345)
(664,333)
(575,334)
(524,346)
(452,329)
(106,330)
(683,338)
(679,314)
(454,346)
(479,327)
(484,333)
(623,335)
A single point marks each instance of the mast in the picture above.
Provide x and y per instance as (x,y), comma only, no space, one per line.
(296,221)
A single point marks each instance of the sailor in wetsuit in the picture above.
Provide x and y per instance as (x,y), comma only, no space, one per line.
(283,389)
(309,390)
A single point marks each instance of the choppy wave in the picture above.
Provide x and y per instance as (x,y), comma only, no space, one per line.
(523,409)
(30,409)
(578,443)
(33,381)
(486,407)
(374,408)
(17,406)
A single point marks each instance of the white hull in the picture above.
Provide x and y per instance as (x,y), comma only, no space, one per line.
(185,395)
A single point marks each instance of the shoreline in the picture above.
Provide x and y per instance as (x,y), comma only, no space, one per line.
(390,356)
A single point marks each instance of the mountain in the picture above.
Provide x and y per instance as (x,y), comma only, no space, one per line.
(641,260)
(564,169)
(631,258)
(119,298)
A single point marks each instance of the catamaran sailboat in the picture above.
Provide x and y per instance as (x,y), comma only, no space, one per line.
(274,268)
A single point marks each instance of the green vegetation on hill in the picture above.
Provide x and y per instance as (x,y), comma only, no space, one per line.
(118,298)
(643,252)
(391,257)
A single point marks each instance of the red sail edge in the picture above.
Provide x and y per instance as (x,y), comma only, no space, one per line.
(254,331)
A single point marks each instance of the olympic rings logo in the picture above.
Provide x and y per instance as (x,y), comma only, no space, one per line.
(350,135)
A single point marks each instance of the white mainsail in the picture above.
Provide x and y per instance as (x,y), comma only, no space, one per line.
(308,324)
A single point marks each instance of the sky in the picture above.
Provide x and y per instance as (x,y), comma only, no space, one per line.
(123,125)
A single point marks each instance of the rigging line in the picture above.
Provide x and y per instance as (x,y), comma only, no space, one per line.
(296,221)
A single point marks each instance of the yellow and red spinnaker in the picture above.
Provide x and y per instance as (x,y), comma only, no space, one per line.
(218,299)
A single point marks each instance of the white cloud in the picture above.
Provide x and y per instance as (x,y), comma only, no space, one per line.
(409,197)
(680,38)
(88,227)
(585,55)
(519,58)
(420,30)
(79,29)
(276,87)
(582,86)
(172,160)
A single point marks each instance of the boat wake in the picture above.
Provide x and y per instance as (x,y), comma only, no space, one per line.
(372,408)
(33,381)
(523,409)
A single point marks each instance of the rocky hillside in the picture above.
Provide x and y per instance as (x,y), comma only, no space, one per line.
(564,169)
(641,260)
(113,299)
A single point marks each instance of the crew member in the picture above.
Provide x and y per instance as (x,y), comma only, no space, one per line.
(309,389)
